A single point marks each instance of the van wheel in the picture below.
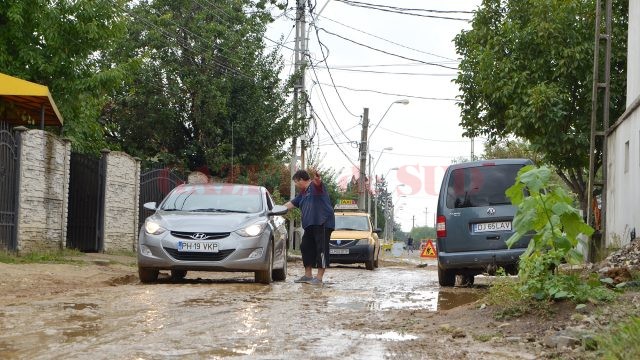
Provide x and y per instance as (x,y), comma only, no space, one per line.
(446,277)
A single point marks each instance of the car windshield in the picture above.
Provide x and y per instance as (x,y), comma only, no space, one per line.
(218,200)
(480,186)
(346,222)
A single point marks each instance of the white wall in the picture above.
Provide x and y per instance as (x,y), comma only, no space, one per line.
(623,183)
(633,62)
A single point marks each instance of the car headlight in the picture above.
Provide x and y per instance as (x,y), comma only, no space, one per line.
(153,227)
(364,241)
(252,230)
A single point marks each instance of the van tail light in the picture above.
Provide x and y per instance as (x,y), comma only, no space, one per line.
(441,227)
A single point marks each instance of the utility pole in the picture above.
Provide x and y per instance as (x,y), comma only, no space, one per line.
(599,127)
(413,222)
(363,160)
(299,95)
(426,217)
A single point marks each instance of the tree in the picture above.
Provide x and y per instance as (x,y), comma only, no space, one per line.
(203,92)
(526,71)
(61,44)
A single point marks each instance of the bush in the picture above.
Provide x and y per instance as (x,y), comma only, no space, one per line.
(622,342)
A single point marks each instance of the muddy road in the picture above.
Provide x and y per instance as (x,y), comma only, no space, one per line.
(356,314)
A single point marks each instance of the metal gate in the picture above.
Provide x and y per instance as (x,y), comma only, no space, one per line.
(9,184)
(155,184)
(86,203)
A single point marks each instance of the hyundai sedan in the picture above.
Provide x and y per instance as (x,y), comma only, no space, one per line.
(214,227)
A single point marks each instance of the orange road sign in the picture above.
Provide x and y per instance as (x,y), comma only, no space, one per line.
(429,250)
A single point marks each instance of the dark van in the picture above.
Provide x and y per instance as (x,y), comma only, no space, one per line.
(474,220)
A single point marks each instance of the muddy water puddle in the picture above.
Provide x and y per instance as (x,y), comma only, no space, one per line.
(234,318)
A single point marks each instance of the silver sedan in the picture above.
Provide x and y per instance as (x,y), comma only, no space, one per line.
(214,227)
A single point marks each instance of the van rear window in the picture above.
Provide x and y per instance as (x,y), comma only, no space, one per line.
(480,186)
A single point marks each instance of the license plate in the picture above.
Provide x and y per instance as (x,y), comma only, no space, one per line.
(198,246)
(339,251)
(492,226)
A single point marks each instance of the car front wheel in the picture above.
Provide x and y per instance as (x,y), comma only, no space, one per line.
(265,276)
(147,275)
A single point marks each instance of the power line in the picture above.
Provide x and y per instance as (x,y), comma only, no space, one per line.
(334,141)
(393,94)
(421,138)
(410,9)
(325,57)
(392,10)
(383,39)
(385,52)
(392,72)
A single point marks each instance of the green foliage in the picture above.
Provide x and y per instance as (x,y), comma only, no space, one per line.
(203,92)
(61,44)
(622,341)
(526,71)
(422,232)
(547,214)
(64,256)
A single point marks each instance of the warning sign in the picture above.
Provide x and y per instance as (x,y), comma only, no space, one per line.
(429,250)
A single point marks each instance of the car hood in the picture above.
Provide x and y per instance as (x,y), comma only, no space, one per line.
(205,222)
(349,234)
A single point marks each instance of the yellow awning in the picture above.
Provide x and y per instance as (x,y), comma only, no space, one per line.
(22,103)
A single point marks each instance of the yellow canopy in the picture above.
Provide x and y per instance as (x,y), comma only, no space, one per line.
(23,103)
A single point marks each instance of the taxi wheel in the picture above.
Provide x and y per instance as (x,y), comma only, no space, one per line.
(376,261)
(369,264)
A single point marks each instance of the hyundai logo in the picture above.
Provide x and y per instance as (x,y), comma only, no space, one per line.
(491,211)
(199,236)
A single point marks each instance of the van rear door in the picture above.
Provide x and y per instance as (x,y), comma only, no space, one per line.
(478,214)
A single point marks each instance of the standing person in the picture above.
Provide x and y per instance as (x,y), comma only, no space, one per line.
(410,245)
(318,221)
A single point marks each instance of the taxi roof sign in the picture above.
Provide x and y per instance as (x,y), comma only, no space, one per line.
(346,204)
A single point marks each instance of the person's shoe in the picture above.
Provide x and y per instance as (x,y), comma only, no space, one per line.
(315,281)
(304,279)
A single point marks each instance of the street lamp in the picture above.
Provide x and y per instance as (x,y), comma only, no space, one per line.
(403,102)
(372,171)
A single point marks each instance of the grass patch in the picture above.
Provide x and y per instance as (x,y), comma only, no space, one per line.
(63,256)
(129,253)
(505,295)
(622,342)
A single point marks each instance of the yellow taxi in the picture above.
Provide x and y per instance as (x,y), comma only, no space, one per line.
(354,239)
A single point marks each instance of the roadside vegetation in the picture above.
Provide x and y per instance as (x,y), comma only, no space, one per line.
(64,256)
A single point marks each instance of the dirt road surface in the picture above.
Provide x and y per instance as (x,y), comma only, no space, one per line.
(97,309)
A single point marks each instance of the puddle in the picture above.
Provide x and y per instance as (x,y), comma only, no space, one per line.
(391,336)
(79,306)
(449,300)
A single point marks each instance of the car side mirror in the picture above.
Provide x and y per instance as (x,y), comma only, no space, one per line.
(278,210)
(150,206)
(377,231)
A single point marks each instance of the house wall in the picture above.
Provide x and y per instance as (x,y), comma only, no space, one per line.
(122,193)
(44,191)
(623,146)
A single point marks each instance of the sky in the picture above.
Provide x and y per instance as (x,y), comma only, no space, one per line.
(424,135)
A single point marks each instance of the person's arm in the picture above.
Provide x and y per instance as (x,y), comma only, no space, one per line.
(317,181)
(289,205)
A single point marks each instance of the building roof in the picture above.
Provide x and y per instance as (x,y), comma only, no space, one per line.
(22,102)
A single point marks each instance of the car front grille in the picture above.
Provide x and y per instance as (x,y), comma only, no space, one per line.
(199,256)
(342,243)
(207,236)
